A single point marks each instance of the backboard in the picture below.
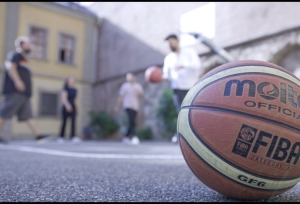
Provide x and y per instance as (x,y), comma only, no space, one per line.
(200,20)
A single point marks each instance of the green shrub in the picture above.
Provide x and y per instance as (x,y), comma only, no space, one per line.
(167,113)
(103,124)
(144,133)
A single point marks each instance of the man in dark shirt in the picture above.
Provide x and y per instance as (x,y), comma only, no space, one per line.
(17,89)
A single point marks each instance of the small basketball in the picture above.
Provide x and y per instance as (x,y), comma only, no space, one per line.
(153,74)
(239,130)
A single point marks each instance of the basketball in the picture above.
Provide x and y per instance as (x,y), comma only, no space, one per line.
(239,130)
(153,74)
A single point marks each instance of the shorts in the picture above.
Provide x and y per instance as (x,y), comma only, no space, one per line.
(16,104)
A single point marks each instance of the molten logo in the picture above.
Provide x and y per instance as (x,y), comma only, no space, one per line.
(269,95)
(265,90)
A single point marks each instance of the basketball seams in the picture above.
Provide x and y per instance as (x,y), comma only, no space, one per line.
(248,73)
(232,164)
(199,157)
(197,88)
(242,71)
(242,63)
(245,114)
(222,166)
(227,161)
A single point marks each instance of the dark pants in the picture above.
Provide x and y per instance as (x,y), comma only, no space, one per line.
(131,116)
(178,97)
(65,116)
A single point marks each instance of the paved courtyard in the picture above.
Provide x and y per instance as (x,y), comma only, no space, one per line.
(103,171)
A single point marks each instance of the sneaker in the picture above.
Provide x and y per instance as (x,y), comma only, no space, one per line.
(60,140)
(175,139)
(41,139)
(135,140)
(76,140)
(3,141)
(126,140)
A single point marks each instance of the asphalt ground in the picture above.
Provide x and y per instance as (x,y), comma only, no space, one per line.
(104,171)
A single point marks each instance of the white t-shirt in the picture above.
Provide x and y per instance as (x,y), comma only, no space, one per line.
(184,78)
(130,93)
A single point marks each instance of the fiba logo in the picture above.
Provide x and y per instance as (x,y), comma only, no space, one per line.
(244,141)
(247,133)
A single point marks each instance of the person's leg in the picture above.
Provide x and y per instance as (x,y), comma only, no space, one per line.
(130,124)
(130,113)
(9,107)
(176,100)
(25,114)
(133,115)
(73,125)
(178,97)
(75,138)
(2,120)
(134,140)
(126,138)
(181,95)
(32,125)
(63,124)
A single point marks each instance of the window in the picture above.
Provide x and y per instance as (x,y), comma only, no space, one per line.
(66,52)
(49,104)
(38,37)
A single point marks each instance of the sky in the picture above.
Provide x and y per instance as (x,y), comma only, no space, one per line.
(86,3)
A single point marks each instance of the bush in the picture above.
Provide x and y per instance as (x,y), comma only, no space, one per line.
(167,113)
(144,133)
(103,124)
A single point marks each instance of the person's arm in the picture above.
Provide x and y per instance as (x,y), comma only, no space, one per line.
(11,67)
(165,69)
(120,99)
(76,106)
(64,98)
(119,103)
(141,91)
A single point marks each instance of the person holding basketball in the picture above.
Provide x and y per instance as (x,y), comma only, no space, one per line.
(183,68)
(129,95)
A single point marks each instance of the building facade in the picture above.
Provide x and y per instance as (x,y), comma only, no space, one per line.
(99,46)
(132,33)
(64,37)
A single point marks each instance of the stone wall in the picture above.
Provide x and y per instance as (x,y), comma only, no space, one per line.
(273,48)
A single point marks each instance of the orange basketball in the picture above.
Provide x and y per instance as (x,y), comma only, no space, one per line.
(153,74)
(239,129)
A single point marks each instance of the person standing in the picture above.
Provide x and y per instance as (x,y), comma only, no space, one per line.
(183,68)
(129,95)
(17,89)
(69,110)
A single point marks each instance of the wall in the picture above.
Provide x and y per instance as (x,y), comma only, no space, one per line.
(2,27)
(236,22)
(149,22)
(54,23)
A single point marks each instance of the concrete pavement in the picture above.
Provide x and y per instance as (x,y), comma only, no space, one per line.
(31,172)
